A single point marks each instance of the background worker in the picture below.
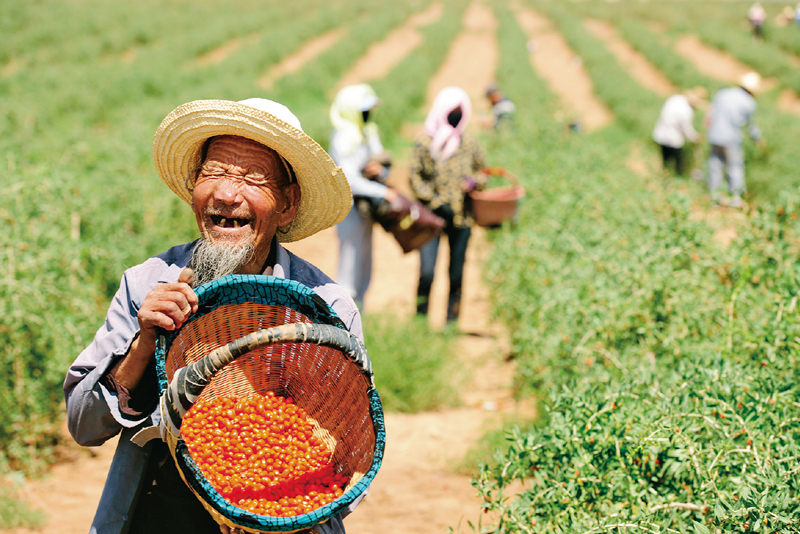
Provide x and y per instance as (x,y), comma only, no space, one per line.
(249,193)
(731,109)
(502,108)
(757,15)
(675,126)
(445,166)
(356,147)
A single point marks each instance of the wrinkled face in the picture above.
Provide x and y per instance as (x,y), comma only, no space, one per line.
(242,195)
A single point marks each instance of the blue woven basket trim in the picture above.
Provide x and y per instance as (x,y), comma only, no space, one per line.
(239,288)
(250,520)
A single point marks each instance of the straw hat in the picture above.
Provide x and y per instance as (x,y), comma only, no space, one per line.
(696,96)
(325,192)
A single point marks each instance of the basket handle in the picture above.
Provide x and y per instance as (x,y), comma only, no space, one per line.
(500,171)
(189,382)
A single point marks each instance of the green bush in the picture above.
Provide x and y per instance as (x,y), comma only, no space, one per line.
(666,362)
(15,513)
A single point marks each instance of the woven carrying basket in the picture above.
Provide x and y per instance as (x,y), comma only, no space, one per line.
(337,396)
(492,207)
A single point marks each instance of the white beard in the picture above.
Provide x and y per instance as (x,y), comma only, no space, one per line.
(215,260)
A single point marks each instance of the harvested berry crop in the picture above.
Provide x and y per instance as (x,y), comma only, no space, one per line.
(259,452)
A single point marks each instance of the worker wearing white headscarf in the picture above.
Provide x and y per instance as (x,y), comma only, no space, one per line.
(354,144)
(445,166)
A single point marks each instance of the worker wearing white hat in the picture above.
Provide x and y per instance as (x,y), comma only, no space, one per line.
(731,109)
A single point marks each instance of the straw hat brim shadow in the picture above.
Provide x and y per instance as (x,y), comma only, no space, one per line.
(325,192)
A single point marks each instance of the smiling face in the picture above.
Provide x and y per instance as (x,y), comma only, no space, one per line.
(242,195)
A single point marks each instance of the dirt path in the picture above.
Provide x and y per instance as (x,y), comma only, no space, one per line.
(383,56)
(416,490)
(632,60)
(303,55)
(789,101)
(553,59)
(716,63)
(221,53)
(472,60)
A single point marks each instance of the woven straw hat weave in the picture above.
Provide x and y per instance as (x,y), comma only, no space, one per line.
(325,192)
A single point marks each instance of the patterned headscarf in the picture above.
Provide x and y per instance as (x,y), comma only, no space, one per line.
(347,115)
(447,139)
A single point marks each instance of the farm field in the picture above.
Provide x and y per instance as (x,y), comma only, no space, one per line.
(627,352)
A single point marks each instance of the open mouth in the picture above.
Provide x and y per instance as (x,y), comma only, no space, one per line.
(228,222)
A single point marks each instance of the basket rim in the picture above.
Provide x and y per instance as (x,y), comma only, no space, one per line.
(491,194)
(515,186)
(503,173)
(266,289)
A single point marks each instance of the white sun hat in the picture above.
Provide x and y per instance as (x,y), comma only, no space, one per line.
(325,192)
(750,81)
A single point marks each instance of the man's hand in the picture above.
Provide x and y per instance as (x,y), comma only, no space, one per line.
(167,306)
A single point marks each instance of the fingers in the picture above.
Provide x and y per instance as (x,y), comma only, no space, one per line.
(168,306)
(186,276)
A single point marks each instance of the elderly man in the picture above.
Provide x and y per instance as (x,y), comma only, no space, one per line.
(253,179)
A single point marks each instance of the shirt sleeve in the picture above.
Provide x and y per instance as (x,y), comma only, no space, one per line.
(352,165)
(93,409)
(752,127)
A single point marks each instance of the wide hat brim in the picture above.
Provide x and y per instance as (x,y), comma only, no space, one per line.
(325,193)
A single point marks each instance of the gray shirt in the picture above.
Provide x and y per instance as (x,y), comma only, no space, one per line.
(93,412)
(731,109)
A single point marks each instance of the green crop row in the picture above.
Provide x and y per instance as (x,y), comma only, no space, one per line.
(311,89)
(666,363)
(768,172)
(634,106)
(404,91)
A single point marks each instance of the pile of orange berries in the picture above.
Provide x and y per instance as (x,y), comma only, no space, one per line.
(259,453)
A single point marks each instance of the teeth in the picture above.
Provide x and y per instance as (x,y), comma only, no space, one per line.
(222,222)
(236,223)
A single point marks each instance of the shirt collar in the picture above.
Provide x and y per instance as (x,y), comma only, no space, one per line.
(282,265)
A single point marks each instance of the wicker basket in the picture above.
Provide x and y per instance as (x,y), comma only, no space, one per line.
(332,389)
(417,228)
(492,207)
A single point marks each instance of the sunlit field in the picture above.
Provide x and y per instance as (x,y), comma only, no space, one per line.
(657,332)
